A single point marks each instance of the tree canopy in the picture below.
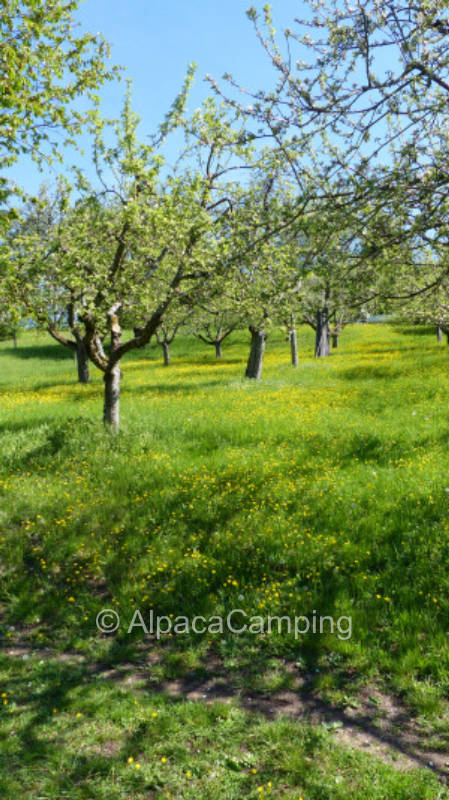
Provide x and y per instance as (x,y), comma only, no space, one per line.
(46,64)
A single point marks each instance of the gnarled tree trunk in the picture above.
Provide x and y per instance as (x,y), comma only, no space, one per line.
(111,411)
(82,362)
(439,333)
(218,351)
(256,353)
(322,346)
(334,340)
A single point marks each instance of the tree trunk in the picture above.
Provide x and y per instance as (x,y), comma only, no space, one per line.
(256,353)
(439,333)
(293,347)
(218,351)
(335,340)
(322,347)
(447,336)
(166,352)
(82,362)
(111,413)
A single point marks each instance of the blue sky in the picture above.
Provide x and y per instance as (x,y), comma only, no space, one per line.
(155,40)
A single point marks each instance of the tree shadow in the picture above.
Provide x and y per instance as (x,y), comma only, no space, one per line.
(57,678)
(180,387)
(370,448)
(44,351)
(417,330)
(371,372)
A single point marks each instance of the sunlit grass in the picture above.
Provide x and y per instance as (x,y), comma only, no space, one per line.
(323,488)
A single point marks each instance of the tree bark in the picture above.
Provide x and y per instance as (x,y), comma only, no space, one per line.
(218,351)
(439,333)
(82,362)
(293,347)
(335,340)
(166,351)
(111,412)
(79,351)
(322,346)
(256,353)
(99,347)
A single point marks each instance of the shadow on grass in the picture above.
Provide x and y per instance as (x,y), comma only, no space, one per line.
(371,372)
(43,351)
(370,448)
(417,330)
(55,682)
(178,387)
(205,520)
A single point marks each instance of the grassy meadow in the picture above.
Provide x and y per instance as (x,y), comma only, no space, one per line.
(322,489)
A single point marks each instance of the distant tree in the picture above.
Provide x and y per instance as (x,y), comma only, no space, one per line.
(423,307)
(38,236)
(339,321)
(266,280)
(212,323)
(165,335)
(323,308)
(174,319)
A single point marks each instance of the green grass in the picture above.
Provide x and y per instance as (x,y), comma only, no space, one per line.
(323,488)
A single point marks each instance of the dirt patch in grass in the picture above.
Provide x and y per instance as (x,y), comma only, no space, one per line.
(373,721)
(380,724)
